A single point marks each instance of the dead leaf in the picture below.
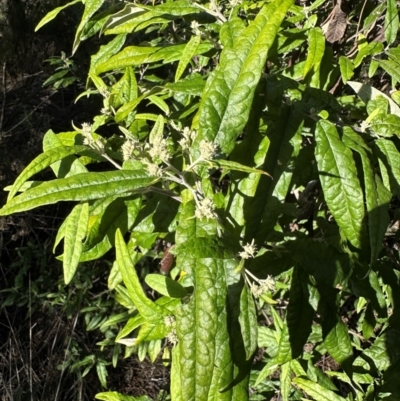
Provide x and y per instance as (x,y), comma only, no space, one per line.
(335,27)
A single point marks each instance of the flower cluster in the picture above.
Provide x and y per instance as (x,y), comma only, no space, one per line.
(188,137)
(170,323)
(205,209)
(196,28)
(263,286)
(207,150)
(159,149)
(249,250)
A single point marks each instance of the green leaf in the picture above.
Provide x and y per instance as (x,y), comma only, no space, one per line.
(386,125)
(102,374)
(285,381)
(316,48)
(316,391)
(53,13)
(377,199)
(338,175)
(91,6)
(115,396)
(80,187)
(368,50)
(109,215)
(41,162)
(382,354)
(391,159)
(234,166)
(367,93)
(391,21)
(75,232)
(165,286)
(299,313)
(192,85)
(206,365)
(226,103)
(248,321)
(346,68)
(338,344)
(392,68)
(188,53)
(147,308)
(105,52)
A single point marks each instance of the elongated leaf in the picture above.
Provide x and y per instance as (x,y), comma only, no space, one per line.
(376,199)
(234,166)
(201,324)
(338,175)
(106,51)
(391,21)
(391,160)
(91,6)
(316,48)
(316,391)
(165,286)
(75,232)
(80,187)
(147,308)
(346,68)
(115,396)
(188,53)
(41,162)
(285,381)
(136,55)
(248,321)
(53,13)
(299,313)
(225,106)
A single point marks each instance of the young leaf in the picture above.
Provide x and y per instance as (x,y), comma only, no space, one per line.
(91,6)
(346,68)
(316,391)
(75,232)
(53,13)
(316,48)
(147,308)
(188,53)
(391,21)
(248,321)
(338,175)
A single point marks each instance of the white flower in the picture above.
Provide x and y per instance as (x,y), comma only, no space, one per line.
(172,337)
(127,149)
(188,136)
(169,321)
(196,28)
(154,169)
(207,149)
(105,92)
(159,149)
(248,250)
(205,209)
(87,133)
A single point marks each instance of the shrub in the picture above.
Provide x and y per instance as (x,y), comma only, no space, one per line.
(226,130)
